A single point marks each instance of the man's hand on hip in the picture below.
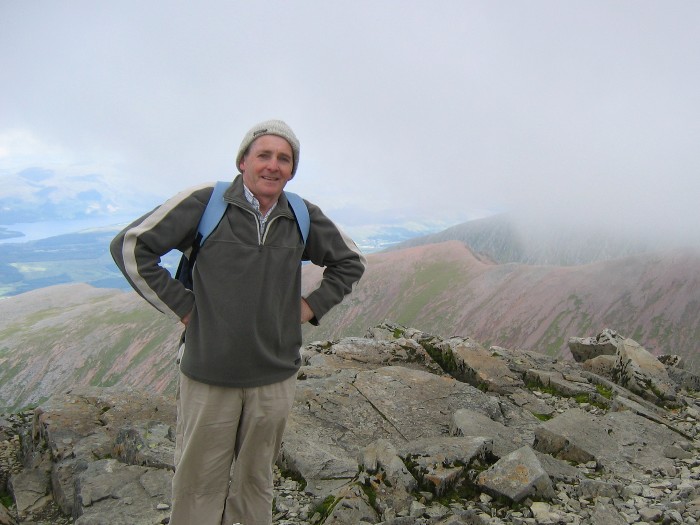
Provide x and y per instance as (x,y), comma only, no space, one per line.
(306,313)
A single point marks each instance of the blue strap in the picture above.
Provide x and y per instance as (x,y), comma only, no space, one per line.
(214,211)
(217,207)
(301,212)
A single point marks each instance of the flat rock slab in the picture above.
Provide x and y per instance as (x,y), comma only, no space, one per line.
(337,416)
(129,494)
(619,442)
(466,422)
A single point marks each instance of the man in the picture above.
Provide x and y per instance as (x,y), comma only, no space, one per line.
(242,318)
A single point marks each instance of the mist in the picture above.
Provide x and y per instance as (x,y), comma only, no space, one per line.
(581,115)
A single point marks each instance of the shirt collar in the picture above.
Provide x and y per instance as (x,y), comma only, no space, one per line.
(254,201)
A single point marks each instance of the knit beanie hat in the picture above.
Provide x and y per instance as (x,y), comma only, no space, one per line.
(270,127)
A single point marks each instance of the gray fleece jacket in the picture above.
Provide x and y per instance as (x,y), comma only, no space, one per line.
(244,329)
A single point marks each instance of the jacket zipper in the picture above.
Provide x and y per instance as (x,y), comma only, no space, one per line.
(267,227)
(261,239)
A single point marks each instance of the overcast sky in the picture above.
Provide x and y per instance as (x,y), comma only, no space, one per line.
(441,110)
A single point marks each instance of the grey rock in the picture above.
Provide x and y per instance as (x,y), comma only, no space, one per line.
(605,343)
(440,463)
(639,371)
(5,517)
(352,508)
(381,429)
(130,494)
(517,476)
(619,442)
(478,367)
(605,514)
(559,382)
(149,443)
(602,365)
(466,422)
(684,378)
(29,488)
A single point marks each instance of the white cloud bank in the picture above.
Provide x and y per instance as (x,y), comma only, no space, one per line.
(572,111)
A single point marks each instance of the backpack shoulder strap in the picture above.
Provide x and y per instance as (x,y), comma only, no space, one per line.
(301,212)
(214,211)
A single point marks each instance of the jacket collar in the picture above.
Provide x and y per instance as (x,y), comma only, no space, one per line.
(235,194)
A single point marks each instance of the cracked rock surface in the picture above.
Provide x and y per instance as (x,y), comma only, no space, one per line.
(399,427)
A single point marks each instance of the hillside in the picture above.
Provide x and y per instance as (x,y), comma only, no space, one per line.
(63,336)
(445,288)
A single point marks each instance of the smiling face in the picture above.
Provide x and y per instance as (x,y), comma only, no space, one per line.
(267,167)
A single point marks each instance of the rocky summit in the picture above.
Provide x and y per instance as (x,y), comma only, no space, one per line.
(399,427)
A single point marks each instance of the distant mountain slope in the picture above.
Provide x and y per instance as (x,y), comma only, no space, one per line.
(55,338)
(444,288)
(503,239)
(59,337)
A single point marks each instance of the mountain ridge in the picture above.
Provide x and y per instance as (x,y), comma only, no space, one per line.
(75,334)
(446,288)
(505,238)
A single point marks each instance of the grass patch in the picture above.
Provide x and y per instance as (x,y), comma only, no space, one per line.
(604,391)
(533,385)
(431,280)
(371,494)
(583,397)
(6,500)
(326,507)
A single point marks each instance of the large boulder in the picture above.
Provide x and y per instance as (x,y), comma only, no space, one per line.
(585,348)
(640,372)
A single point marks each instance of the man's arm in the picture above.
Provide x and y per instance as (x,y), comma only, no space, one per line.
(137,250)
(342,260)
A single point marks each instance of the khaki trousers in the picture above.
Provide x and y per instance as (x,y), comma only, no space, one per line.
(227,443)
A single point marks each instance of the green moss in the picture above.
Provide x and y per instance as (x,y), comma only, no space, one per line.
(604,391)
(371,494)
(579,398)
(445,359)
(582,398)
(534,385)
(326,507)
(6,500)
(543,417)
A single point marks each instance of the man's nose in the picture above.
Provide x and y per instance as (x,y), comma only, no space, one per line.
(273,164)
